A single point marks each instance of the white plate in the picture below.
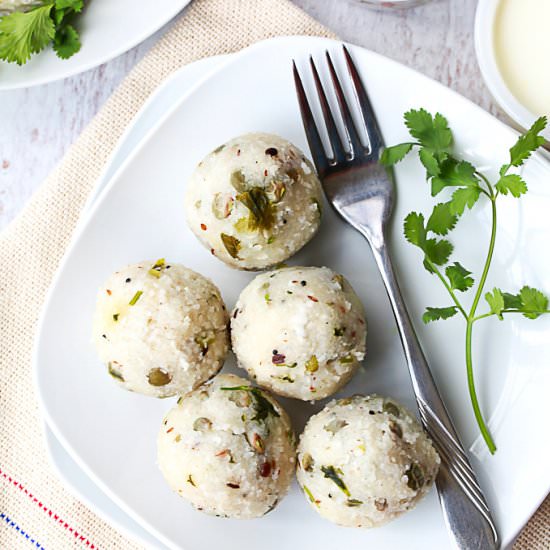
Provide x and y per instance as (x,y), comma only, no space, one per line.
(154,109)
(83,488)
(111,433)
(67,469)
(107,29)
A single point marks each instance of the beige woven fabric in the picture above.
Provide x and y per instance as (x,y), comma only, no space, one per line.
(35,509)
(536,534)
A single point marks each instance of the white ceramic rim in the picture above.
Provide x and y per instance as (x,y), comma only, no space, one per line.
(83,498)
(123,48)
(485,52)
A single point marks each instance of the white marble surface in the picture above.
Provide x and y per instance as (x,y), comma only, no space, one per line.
(37,125)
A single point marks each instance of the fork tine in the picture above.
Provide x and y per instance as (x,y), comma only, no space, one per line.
(373,130)
(313,138)
(354,141)
(339,153)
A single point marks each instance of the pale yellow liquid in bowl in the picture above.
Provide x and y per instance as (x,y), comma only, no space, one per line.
(522,51)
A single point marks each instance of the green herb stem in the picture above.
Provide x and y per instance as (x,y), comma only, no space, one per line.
(489,191)
(473,395)
(448,287)
(485,315)
(469,325)
(486,193)
(488,260)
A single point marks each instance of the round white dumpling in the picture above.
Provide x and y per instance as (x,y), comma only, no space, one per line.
(363,461)
(228,448)
(299,331)
(254,201)
(160,328)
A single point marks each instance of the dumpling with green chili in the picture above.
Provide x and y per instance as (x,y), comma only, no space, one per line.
(160,328)
(299,331)
(254,201)
(228,448)
(363,461)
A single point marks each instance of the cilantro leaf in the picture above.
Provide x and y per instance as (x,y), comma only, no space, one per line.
(75,5)
(442,220)
(443,132)
(438,313)
(66,41)
(25,33)
(419,122)
(433,133)
(414,229)
(511,301)
(430,161)
(65,10)
(528,142)
(392,155)
(511,183)
(454,173)
(496,302)
(462,197)
(530,301)
(459,277)
(58,16)
(438,252)
(533,302)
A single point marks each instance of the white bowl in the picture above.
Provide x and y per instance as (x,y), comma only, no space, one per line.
(485,51)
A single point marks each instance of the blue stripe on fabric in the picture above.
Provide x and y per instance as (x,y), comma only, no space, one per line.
(12,523)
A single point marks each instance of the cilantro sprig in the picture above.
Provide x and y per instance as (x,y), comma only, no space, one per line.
(23,34)
(463,185)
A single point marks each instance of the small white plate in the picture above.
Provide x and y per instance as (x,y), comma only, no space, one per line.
(154,109)
(112,433)
(107,29)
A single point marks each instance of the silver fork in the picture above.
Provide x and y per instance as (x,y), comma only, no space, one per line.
(362,191)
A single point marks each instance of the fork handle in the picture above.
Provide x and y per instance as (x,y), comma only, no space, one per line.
(466,513)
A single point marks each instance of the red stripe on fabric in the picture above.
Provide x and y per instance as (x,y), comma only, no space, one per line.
(50,513)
